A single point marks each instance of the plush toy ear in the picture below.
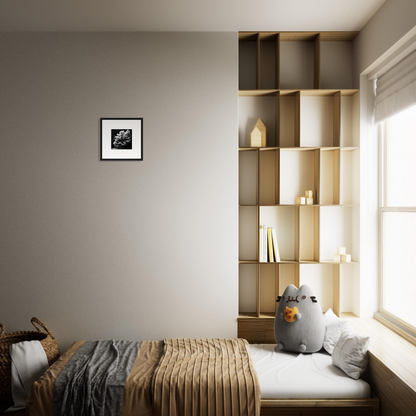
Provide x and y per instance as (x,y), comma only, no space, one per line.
(278,299)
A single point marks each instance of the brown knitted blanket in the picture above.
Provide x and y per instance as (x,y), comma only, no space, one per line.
(137,398)
(212,377)
(174,378)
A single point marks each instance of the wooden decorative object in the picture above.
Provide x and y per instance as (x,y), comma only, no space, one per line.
(258,137)
(337,258)
(300,200)
(309,201)
(345,258)
(342,250)
(308,194)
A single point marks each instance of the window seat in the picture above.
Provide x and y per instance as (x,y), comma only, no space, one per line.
(392,367)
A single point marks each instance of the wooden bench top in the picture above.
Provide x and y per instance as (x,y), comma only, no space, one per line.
(392,367)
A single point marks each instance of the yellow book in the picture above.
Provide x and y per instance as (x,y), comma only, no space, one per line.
(269,238)
(275,246)
(261,240)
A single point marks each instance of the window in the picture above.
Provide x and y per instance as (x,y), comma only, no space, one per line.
(398,218)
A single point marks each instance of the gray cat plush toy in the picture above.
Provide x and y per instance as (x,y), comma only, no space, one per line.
(299,324)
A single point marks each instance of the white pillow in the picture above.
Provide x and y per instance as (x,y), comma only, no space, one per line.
(350,353)
(333,330)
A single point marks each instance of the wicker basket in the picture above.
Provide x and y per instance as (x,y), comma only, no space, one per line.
(45,337)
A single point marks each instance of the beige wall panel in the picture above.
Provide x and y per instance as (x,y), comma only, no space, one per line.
(327,178)
(119,249)
(316,121)
(296,65)
(287,277)
(336,65)
(248,233)
(268,178)
(247,53)
(268,65)
(319,278)
(267,288)
(247,180)
(247,288)
(287,121)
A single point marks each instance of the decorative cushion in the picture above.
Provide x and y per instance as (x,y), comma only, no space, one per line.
(299,324)
(350,353)
(333,330)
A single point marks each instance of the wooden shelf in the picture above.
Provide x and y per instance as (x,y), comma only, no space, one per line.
(304,93)
(306,100)
(297,262)
(297,205)
(298,36)
(271,316)
(305,60)
(297,149)
(267,316)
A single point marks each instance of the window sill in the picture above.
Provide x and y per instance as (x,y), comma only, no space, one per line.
(396,327)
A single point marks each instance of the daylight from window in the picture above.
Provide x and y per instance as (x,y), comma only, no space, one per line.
(398,216)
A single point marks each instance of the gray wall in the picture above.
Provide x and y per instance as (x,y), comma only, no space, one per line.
(391,22)
(119,249)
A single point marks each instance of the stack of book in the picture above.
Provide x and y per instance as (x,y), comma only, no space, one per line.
(269,251)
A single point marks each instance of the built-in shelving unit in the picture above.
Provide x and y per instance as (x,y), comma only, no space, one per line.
(300,85)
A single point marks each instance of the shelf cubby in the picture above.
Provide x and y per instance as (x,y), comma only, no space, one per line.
(336,230)
(350,120)
(349,176)
(309,233)
(269,177)
(269,60)
(330,177)
(274,278)
(248,61)
(345,285)
(289,119)
(251,108)
(248,177)
(295,60)
(269,288)
(298,66)
(336,64)
(320,278)
(248,235)
(320,120)
(298,172)
(248,288)
(285,220)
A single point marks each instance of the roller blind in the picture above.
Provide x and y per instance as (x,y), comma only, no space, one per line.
(396,89)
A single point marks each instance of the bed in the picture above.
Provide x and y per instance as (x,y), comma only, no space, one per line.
(308,384)
(240,379)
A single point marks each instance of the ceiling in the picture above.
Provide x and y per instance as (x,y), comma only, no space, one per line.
(186,15)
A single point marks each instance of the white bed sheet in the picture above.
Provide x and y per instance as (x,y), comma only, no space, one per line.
(285,375)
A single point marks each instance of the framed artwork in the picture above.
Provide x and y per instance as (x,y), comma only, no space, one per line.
(121,139)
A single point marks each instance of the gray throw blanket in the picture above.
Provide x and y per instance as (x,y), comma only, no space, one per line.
(92,383)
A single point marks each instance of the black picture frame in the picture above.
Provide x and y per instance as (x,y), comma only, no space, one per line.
(121,138)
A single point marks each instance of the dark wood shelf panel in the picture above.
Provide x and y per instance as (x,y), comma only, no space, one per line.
(303,92)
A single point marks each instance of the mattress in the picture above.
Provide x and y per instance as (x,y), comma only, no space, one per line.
(286,375)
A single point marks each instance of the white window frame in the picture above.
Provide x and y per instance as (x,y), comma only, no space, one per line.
(393,322)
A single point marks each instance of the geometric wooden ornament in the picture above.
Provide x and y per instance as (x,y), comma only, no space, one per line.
(258,137)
